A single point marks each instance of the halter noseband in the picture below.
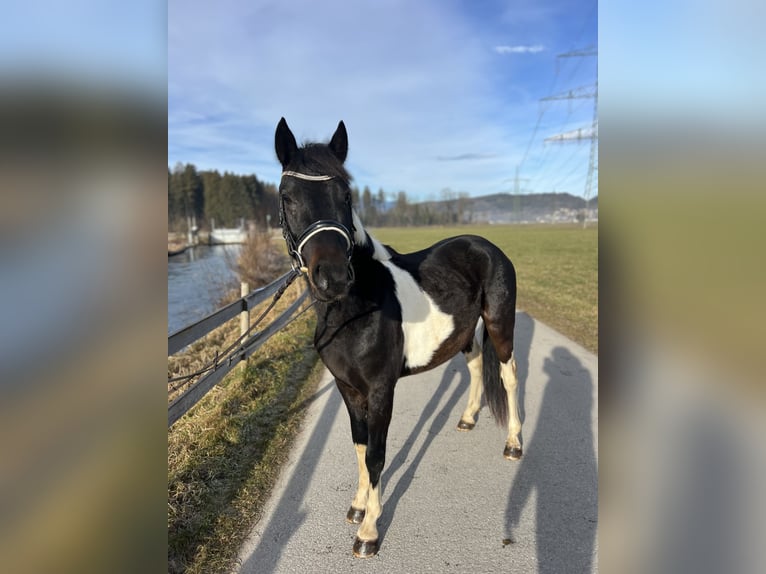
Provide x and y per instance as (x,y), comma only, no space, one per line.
(295,247)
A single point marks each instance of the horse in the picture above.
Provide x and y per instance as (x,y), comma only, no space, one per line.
(383,315)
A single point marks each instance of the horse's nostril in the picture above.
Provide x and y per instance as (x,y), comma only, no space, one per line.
(331,279)
(320,278)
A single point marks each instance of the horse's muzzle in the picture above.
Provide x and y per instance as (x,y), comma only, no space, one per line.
(331,281)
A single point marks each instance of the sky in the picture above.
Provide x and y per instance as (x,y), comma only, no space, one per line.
(434,94)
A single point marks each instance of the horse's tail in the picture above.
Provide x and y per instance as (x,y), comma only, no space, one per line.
(494,391)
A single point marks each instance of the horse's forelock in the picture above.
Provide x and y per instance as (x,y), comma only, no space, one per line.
(318,159)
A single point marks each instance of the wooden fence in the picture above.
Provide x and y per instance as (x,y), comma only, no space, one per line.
(187,335)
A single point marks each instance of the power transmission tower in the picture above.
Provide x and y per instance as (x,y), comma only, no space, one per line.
(516,189)
(591,133)
(516,198)
(592,159)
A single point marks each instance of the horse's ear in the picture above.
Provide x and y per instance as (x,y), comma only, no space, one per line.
(284,142)
(339,142)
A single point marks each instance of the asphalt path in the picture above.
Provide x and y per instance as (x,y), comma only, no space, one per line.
(451,502)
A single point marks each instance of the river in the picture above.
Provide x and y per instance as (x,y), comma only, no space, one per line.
(197,280)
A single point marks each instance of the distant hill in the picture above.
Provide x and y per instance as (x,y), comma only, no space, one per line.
(522,208)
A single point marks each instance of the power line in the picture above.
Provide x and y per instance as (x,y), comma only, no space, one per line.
(589,51)
(580,134)
(583,92)
(540,114)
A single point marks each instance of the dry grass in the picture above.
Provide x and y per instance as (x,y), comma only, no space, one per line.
(225,454)
(261,258)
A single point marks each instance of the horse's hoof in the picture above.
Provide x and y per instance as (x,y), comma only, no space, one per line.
(512,452)
(464,426)
(365,548)
(354,515)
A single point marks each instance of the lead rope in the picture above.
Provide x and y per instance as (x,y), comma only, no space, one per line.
(213,365)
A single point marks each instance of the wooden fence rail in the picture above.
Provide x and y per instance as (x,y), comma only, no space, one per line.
(191,333)
(187,335)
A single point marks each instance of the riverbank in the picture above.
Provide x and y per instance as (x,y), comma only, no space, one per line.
(177,243)
(176,248)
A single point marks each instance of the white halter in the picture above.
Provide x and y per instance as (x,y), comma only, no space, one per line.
(295,246)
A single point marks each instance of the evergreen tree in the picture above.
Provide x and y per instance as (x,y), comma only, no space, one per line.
(211,183)
(177,207)
(380,208)
(171,201)
(367,204)
(191,189)
(355,197)
(235,204)
(270,203)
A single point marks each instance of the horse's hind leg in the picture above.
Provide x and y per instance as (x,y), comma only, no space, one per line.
(474,360)
(512,449)
(499,318)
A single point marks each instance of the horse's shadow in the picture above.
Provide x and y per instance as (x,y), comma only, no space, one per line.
(290,509)
(455,368)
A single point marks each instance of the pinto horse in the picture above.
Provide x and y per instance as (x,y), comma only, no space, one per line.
(382,315)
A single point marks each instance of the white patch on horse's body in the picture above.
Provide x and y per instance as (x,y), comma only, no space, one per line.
(361,237)
(425,326)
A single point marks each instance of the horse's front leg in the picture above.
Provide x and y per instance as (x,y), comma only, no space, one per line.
(379,410)
(356,404)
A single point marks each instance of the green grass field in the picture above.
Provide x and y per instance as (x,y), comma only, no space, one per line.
(556,267)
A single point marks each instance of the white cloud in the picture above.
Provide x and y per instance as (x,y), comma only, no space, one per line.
(403,102)
(534,49)
(233,73)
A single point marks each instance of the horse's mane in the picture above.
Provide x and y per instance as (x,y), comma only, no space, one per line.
(318,159)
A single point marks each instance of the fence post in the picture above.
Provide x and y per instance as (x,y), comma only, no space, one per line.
(244,321)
